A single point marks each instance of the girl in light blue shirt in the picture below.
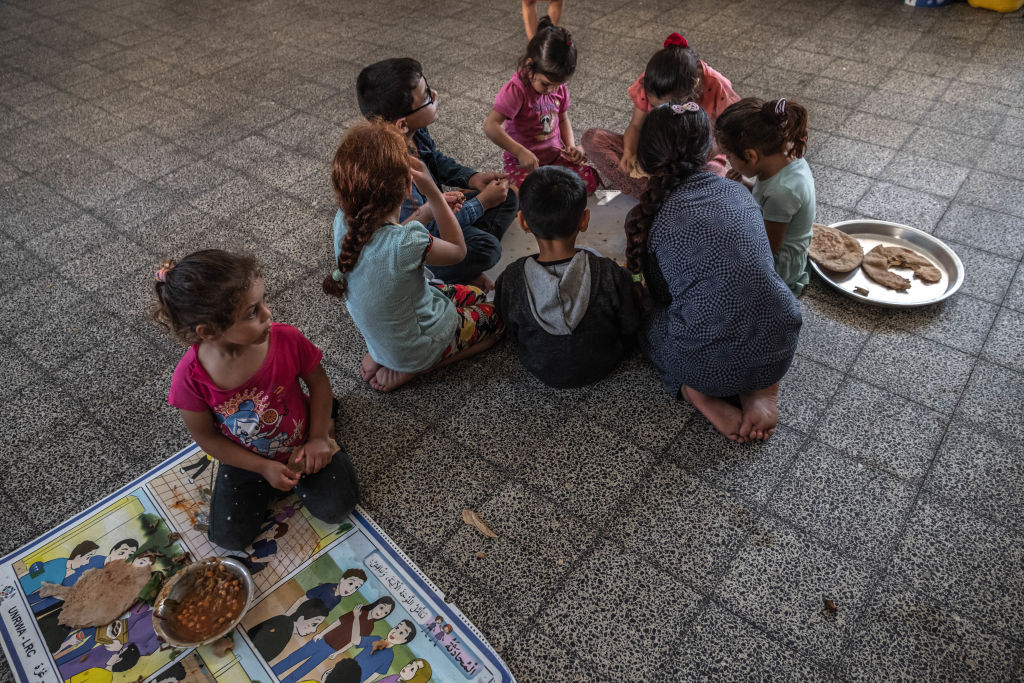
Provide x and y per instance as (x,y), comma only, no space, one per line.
(409,325)
(766,141)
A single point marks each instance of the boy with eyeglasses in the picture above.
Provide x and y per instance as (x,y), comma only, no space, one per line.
(397,91)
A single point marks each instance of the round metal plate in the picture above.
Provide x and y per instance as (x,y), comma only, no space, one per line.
(872,233)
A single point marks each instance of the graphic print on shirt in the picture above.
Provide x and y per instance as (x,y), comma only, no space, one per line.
(249,418)
(547,112)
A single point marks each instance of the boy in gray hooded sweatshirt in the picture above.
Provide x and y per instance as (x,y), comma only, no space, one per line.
(571,312)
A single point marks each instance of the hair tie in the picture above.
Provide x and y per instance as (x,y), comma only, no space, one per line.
(685,107)
(676,39)
(568,42)
(638,278)
(780,106)
(161,274)
(337,275)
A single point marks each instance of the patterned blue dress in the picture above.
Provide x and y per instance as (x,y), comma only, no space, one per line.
(723,321)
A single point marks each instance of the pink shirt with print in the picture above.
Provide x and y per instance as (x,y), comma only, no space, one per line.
(531,118)
(716,93)
(269,413)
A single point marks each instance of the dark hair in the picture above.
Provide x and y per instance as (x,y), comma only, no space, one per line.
(673,73)
(386,600)
(83,548)
(769,127)
(204,288)
(551,53)
(412,630)
(345,671)
(674,144)
(314,607)
(385,89)
(354,572)
(131,542)
(552,199)
(370,174)
(126,658)
(281,530)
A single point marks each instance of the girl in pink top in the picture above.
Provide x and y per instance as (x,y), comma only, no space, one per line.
(530,119)
(674,74)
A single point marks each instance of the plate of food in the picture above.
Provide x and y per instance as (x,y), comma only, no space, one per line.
(885,264)
(202,603)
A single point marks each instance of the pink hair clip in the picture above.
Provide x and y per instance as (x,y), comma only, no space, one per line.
(161,274)
(780,106)
(685,107)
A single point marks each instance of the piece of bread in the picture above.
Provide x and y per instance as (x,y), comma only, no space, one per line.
(834,250)
(879,260)
(876,267)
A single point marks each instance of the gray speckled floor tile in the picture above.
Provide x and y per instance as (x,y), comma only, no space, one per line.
(1015,295)
(805,392)
(945,146)
(961,322)
(994,192)
(851,506)
(748,470)
(962,119)
(838,188)
(881,429)
(833,332)
(927,175)
(1005,343)
(905,107)
(780,579)
(981,472)
(117,257)
(682,522)
(234,196)
(889,202)
(130,211)
(659,605)
(419,492)
(538,657)
(876,129)
(537,544)
(722,647)
(636,391)
(995,398)
(919,369)
(19,530)
(1003,159)
(965,563)
(851,155)
(907,636)
(986,276)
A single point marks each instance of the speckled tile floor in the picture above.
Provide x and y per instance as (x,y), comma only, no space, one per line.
(635,543)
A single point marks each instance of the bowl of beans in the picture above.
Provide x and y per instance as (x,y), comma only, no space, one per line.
(203,602)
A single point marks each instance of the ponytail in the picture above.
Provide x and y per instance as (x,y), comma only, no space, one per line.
(770,127)
(551,53)
(674,72)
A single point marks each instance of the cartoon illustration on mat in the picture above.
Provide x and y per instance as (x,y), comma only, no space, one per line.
(271,636)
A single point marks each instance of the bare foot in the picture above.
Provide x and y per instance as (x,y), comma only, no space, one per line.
(724,417)
(482,282)
(368,368)
(760,412)
(387,379)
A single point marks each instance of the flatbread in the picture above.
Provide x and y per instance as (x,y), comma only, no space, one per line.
(834,250)
(878,261)
(100,595)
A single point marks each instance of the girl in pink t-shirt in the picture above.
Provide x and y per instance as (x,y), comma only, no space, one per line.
(674,74)
(237,389)
(530,119)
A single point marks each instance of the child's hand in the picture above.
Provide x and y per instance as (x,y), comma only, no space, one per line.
(454,199)
(422,179)
(493,194)
(627,163)
(279,476)
(574,155)
(315,454)
(528,160)
(478,181)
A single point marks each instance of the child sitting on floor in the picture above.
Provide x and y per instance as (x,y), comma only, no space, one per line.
(397,91)
(766,141)
(533,108)
(674,74)
(571,312)
(409,326)
(237,389)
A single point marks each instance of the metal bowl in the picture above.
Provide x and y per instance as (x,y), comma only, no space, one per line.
(178,585)
(872,233)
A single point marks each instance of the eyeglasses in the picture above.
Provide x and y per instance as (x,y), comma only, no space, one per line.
(430,97)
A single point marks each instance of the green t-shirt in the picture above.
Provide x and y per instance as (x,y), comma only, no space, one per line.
(788,197)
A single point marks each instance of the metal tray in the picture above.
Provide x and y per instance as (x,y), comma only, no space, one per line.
(872,233)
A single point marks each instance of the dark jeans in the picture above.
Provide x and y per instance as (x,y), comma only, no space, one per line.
(238,509)
(483,241)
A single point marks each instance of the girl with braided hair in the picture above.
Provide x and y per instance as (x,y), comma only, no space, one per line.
(766,141)
(409,325)
(723,327)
